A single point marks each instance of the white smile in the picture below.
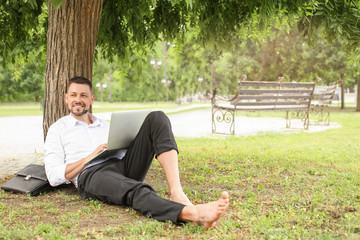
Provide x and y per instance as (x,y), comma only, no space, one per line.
(77,107)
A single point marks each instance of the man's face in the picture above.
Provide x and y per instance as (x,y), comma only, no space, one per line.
(79,99)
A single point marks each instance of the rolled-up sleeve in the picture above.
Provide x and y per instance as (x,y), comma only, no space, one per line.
(55,165)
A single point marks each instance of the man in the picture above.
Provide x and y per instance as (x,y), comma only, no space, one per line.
(75,139)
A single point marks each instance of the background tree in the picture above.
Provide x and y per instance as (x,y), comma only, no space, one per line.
(73,29)
(23,80)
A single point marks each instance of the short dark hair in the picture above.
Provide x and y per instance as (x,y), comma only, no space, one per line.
(81,80)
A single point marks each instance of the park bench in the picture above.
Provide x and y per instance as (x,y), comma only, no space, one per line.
(292,97)
(320,104)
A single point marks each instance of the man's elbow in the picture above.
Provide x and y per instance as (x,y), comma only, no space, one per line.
(53,183)
(54,180)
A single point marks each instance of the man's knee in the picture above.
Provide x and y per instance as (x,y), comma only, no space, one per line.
(158,117)
(157,114)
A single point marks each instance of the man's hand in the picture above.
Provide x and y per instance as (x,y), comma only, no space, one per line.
(73,169)
(97,151)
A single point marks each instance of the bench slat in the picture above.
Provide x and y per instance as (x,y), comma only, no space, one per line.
(275,91)
(276,84)
(274,109)
(264,108)
(272,97)
(269,103)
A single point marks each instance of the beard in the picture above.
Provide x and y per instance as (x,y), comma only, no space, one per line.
(79,114)
(76,113)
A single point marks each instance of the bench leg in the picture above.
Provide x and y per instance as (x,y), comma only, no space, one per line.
(321,113)
(306,120)
(327,116)
(213,125)
(213,128)
(232,127)
(302,114)
(223,115)
(288,121)
(316,111)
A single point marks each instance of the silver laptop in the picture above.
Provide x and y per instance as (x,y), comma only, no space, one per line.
(124,127)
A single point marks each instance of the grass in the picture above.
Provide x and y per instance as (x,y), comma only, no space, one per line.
(282,186)
(35,109)
(20,109)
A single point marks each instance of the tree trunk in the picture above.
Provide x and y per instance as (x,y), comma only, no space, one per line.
(212,77)
(71,39)
(358,96)
(109,83)
(165,70)
(342,90)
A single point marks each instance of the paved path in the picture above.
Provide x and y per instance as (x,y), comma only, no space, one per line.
(22,137)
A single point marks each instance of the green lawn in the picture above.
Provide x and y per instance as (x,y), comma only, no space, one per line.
(282,186)
(20,109)
(35,109)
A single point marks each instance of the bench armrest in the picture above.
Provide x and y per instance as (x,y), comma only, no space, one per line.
(215,99)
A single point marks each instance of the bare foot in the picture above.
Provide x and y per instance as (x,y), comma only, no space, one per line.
(206,214)
(180,197)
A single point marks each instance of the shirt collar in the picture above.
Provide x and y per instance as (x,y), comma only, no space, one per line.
(74,122)
(95,121)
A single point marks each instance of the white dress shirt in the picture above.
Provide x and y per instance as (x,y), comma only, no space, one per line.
(69,140)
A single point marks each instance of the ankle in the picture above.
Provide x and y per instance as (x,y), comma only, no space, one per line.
(189,213)
(176,191)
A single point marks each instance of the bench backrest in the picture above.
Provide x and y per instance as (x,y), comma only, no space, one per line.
(274,95)
(324,94)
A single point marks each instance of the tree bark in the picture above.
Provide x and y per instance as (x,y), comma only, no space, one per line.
(342,90)
(71,39)
(358,96)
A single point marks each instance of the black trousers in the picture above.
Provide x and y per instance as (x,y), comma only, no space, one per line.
(120,182)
